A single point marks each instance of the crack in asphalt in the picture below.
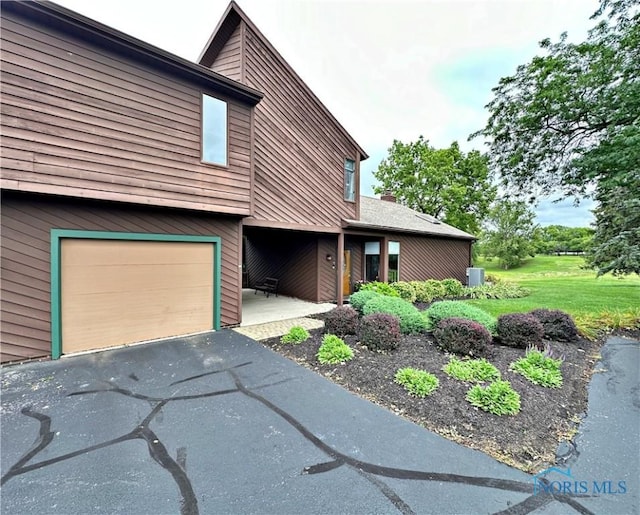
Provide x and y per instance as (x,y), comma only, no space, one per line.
(177,467)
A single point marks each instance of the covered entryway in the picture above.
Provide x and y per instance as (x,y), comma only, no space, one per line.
(119,288)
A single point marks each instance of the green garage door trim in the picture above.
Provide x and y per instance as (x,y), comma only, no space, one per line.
(57,235)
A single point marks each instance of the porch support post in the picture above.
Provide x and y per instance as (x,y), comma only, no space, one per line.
(340,269)
(384,260)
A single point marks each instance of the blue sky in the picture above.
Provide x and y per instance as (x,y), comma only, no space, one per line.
(386,69)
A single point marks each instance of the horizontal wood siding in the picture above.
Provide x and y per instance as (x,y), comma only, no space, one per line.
(292,259)
(299,150)
(25,261)
(229,61)
(424,258)
(82,122)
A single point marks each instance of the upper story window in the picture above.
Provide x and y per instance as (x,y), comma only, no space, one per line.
(349,179)
(214,131)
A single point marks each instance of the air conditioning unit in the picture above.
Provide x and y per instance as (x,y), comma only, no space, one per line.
(475,276)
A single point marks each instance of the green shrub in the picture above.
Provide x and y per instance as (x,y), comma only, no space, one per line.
(454,308)
(333,350)
(462,336)
(501,290)
(497,398)
(473,370)
(452,287)
(341,321)
(406,291)
(381,288)
(519,330)
(423,292)
(558,325)
(411,320)
(360,298)
(380,331)
(540,367)
(435,288)
(417,382)
(296,335)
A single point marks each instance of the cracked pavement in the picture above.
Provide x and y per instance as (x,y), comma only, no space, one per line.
(216,423)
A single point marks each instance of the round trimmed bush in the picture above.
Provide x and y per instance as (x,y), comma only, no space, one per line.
(360,298)
(380,331)
(407,291)
(411,320)
(423,292)
(341,321)
(519,330)
(558,325)
(457,309)
(462,336)
(381,288)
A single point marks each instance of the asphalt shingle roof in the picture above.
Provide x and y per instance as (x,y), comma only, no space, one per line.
(382,214)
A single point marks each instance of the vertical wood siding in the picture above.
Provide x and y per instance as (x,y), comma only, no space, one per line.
(299,150)
(82,122)
(432,258)
(25,261)
(229,61)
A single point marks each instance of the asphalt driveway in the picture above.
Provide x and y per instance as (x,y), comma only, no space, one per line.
(219,424)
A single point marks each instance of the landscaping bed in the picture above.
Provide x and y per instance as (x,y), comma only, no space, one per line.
(527,440)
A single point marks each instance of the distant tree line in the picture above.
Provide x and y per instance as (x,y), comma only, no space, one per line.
(558,239)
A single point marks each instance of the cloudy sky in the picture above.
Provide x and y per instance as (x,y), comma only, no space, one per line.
(387,69)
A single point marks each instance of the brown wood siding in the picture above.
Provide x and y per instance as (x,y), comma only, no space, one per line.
(229,61)
(356,246)
(327,273)
(424,258)
(299,150)
(79,121)
(291,258)
(25,242)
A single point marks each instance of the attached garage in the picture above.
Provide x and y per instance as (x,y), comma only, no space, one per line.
(111,289)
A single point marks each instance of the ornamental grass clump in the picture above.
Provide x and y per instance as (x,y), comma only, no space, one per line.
(296,335)
(519,330)
(540,367)
(498,398)
(411,319)
(462,336)
(342,320)
(333,350)
(457,309)
(380,332)
(471,370)
(558,325)
(417,382)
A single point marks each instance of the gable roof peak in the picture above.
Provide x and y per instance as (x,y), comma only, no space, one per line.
(231,17)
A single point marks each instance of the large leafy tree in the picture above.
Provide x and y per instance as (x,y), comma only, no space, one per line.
(569,121)
(509,232)
(446,183)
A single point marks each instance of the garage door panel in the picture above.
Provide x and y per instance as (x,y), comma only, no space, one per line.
(100,279)
(115,292)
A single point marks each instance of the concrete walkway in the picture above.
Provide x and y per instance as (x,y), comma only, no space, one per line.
(266,317)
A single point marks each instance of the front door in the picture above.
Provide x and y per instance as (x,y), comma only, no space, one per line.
(346,273)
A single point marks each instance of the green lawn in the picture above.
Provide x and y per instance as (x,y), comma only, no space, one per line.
(558,282)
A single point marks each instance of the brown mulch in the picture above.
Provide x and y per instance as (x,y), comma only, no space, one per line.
(528,440)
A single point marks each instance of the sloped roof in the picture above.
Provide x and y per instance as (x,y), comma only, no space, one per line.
(232,16)
(389,216)
(71,22)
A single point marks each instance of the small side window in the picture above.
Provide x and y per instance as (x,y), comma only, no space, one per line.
(214,130)
(349,179)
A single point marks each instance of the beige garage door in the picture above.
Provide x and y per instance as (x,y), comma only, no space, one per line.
(115,292)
